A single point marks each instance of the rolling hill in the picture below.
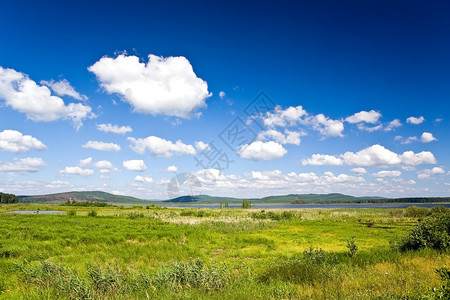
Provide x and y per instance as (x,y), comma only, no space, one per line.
(84,196)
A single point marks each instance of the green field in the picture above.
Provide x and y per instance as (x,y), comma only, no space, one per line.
(173,253)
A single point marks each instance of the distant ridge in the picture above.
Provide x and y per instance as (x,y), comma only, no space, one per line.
(333,198)
(98,196)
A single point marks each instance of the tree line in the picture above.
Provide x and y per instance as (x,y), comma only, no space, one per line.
(8,198)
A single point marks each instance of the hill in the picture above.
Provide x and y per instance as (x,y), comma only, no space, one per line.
(84,196)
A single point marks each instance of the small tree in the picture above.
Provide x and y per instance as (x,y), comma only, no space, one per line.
(245,204)
(352,247)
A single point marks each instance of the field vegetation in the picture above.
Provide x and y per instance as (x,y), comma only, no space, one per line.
(109,252)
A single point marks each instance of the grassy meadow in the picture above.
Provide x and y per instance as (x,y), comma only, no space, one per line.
(174,253)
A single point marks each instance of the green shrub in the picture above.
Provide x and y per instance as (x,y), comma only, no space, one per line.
(71,213)
(135,215)
(439,210)
(314,256)
(432,232)
(352,247)
(416,212)
(92,213)
(443,292)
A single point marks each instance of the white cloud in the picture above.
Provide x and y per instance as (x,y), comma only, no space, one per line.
(387,174)
(326,126)
(105,166)
(375,155)
(262,151)
(427,137)
(371,117)
(15,141)
(144,179)
(63,88)
(165,86)
(76,171)
(114,128)
(134,165)
(161,147)
(428,172)
(289,137)
(102,146)
(393,124)
(415,121)
(362,126)
(29,164)
(359,170)
(323,160)
(221,94)
(201,146)
(289,117)
(24,95)
(173,169)
(85,162)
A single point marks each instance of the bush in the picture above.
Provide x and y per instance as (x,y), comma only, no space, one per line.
(432,232)
(92,213)
(135,215)
(71,213)
(352,247)
(443,292)
(416,212)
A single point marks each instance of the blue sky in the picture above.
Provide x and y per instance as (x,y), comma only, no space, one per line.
(122,97)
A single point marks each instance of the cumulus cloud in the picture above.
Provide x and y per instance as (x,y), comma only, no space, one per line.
(415,120)
(288,117)
(393,124)
(322,160)
(15,141)
(200,146)
(427,137)
(76,171)
(326,126)
(161,147)
(63,88)
(165,86)
(293,116)
(221,94)
(173,169)
(134,165)
(143,179)
(375,155)
(359,170)
(370,117)
(102,146)
(387,174)
(114,128)
(24,95)
(289,137)
(428,172)
(29,164)
(262,151)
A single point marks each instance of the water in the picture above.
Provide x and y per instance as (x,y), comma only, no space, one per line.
(306,206)
(39,212)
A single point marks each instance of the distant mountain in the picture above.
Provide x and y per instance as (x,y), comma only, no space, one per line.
(84,196)
(283,199)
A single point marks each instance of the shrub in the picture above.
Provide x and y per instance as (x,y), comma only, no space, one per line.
(432,232)
(71,213)
(416,212)
(439,210)
(352,246)
(314,256)
(135,215)
(443,292)
(92,213)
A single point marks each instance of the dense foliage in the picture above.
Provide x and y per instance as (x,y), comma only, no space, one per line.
(431,232)
(8,198)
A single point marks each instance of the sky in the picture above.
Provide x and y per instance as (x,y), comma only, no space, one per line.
(237,98)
